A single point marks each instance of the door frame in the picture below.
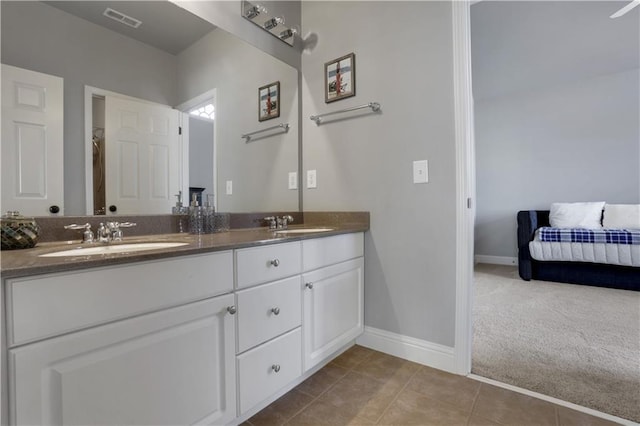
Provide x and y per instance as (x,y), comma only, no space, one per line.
(184,107)
(465,183)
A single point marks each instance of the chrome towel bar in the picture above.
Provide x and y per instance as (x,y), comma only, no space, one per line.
(284,126)
(375,107)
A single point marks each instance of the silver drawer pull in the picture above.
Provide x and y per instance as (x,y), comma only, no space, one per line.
(232,310)
(309,286)
(275,262)
(275,311)
(275,367)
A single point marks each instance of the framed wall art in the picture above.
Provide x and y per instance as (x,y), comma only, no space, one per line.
(340,78)
(269,101)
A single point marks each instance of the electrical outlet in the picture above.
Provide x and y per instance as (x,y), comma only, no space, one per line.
(420,171)
(311,179)
(229,187)
(293,180)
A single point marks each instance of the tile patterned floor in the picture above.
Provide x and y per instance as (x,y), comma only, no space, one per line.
(365,387)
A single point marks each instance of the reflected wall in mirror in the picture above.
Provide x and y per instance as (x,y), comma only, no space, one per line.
(47,39)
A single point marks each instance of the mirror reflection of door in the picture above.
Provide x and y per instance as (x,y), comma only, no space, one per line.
(134,144)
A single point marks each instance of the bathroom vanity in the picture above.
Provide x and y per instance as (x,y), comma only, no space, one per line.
(206,333)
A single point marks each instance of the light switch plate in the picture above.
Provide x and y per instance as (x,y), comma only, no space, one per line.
(293,180)
(311,179)
(420,171)
(229,187)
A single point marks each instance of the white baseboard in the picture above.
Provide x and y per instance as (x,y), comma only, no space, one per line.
(496,260)
(409,348)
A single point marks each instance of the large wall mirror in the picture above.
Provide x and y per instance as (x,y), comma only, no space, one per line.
(173,59)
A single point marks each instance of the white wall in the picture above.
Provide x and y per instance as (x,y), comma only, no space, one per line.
(557,89)
(258,169)
(404,60)
(201,159)
(42,38)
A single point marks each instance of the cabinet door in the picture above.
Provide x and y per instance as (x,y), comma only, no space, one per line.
(333,309)
(171,367)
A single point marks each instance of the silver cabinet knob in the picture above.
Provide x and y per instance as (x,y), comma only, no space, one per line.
(232,310)
(275,311)
(275,262)
(309,286)
(275,367)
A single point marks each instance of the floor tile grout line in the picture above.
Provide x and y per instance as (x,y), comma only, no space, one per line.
(397,395)
(319,395)
(473,404)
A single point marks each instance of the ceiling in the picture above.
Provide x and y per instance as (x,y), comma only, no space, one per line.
(525,45)
(164,25)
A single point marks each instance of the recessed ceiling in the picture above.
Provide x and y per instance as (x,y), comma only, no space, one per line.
(164,25)
(525,45)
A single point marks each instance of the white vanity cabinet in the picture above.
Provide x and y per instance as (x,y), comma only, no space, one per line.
(145,343)
(333,295)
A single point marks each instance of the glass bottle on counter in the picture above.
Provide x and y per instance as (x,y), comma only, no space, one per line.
(196,217)
(209,216)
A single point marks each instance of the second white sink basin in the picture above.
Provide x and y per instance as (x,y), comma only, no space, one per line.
(302,230)
(112,249)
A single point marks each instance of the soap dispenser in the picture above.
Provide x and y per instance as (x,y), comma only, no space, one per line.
(196,217)
(180,212)
(209,216)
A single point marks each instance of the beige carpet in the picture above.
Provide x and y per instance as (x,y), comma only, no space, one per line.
(577,343)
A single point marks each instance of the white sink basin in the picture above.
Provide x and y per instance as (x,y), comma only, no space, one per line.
(302,230)
(112,249)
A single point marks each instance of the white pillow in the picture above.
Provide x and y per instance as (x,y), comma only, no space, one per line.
(576,215)
(621,216)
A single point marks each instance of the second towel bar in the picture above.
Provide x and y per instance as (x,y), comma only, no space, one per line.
(375,107)
(284,126)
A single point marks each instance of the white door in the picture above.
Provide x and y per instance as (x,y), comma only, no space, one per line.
(142,151)
(174,367)
(333,309)
(32,142)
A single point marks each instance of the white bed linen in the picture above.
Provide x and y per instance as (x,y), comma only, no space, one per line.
(613,254)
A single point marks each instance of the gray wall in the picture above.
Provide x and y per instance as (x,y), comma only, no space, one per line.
(42,38)
(258,169)
(556,111)
(201,155)
(404,61)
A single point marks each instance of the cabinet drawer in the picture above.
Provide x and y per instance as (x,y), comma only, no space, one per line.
(47,305)
(267,311)
(320,252)
(269,367)
(262,264)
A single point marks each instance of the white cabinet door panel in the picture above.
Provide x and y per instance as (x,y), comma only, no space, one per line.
(32,141)
(333,309)
(172,367)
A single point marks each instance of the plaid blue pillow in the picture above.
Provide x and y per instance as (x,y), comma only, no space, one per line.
(609,236)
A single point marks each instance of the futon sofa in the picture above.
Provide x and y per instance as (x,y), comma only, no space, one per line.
(595,274)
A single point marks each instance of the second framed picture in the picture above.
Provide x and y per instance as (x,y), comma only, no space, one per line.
(269,101)
(340,78)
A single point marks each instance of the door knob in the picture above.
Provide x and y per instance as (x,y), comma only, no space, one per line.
(54,209)
(275,367)
(276,311)
(232,310)
(275,262)
(309,286)
(113,208)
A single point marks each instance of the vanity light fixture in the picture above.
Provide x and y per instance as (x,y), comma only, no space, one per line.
(287,33)
(273,22)
(254,11)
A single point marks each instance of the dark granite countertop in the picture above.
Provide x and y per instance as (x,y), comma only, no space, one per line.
(19,263)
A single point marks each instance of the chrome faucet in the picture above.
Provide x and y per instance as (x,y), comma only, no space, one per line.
(87,235)
(111,231)
(284,221)
(272,221)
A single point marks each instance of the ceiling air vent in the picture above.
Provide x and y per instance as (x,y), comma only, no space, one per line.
(121,17)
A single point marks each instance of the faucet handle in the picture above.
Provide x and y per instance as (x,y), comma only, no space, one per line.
(87,235)
(127,224)
(272,221)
